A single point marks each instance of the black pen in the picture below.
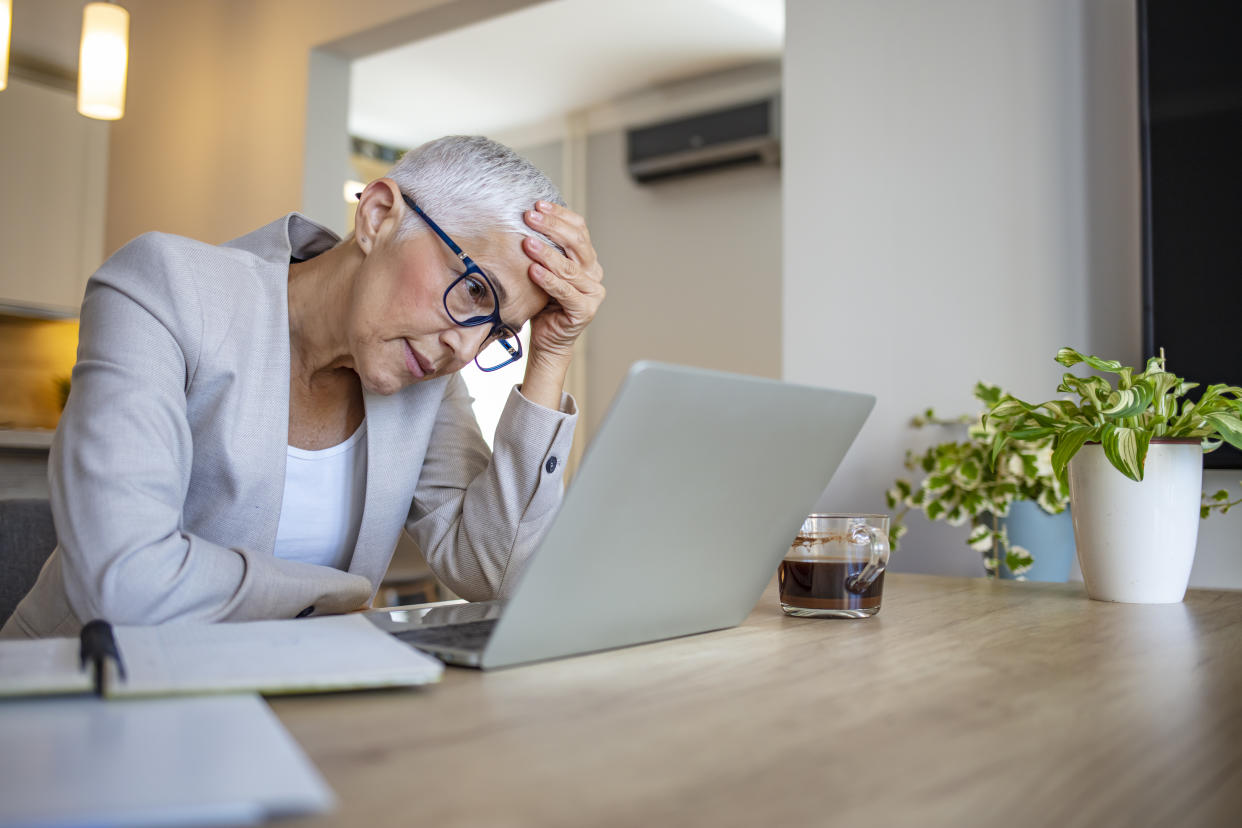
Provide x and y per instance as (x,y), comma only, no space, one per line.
(97,645)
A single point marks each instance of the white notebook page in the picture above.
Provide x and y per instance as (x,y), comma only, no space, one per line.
(337,652)
(42,666)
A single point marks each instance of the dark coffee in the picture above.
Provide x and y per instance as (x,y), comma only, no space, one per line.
(824,584)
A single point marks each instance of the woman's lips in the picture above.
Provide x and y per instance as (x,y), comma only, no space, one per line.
(415,364)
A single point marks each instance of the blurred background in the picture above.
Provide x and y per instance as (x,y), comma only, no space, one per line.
(890,196)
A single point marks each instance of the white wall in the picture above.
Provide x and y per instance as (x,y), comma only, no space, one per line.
(961,199)
(692,266)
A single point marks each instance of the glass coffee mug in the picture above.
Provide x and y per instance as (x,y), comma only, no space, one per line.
(835,567)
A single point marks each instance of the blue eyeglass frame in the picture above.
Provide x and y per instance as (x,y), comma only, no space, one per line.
(512,344)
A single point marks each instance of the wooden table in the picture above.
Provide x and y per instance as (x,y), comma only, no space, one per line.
(964,702)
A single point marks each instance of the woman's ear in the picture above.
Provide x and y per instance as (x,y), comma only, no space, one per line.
(378,214)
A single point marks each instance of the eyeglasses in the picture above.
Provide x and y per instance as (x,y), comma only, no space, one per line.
(471,300)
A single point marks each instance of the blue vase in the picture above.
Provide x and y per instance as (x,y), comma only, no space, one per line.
(1049,539)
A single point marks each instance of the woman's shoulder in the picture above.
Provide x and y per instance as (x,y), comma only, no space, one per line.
(170,254)
(158,267)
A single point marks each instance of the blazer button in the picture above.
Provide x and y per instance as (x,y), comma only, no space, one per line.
(550,466)
(306,611)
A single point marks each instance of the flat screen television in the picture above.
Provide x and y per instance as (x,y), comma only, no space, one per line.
(1190,100)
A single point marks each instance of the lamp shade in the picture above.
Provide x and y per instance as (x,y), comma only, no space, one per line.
(6,35)
(102,61)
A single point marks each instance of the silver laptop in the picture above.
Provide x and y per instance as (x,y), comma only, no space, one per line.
(686,501)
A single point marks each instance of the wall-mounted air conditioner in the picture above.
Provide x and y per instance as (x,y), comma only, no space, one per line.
(743,134)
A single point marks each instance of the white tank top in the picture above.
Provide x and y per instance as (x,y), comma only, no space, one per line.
(322,508)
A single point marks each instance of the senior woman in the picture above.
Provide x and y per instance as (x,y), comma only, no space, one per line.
(253,424)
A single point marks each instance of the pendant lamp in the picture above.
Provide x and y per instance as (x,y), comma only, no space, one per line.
(102,61)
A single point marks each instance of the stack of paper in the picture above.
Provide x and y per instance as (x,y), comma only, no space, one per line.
(212,760)
(211,753)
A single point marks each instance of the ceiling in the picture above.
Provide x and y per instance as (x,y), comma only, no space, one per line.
(519,69)
(549,59)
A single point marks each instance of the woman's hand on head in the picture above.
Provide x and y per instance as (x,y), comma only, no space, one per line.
(573,281)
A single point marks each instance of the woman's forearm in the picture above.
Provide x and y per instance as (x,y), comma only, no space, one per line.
(545,380)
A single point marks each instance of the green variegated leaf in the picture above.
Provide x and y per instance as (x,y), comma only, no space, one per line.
(890,499)
(1211,401)
(935,509)
(1204,511)
(903,488)
(1007,408)
(1126,449)
(1221,494)
(1004,492)
(1184,388)
(1068,357)
(1112,366)
(1228,427)
(1164,406)
(989,395)
(1067,445)
(1032,433)
(1218,395)
(1162,382)
(1130,402)
(1093,390)
(968,473)
(980,538)
(1062,409)
(998,445)
(1049,502)
(1018,560)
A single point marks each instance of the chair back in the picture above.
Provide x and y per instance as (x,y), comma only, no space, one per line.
(27,538)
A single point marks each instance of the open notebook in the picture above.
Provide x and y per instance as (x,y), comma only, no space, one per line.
(342,652)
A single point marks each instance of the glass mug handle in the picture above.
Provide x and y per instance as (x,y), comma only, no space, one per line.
(878,547)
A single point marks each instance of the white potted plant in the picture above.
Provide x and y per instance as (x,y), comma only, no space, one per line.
(1133,459)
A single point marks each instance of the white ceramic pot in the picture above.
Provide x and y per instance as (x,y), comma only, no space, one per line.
(1136,541)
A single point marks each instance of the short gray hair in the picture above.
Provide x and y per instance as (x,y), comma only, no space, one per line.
(471,186)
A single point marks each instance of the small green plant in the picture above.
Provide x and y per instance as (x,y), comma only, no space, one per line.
(964,482)
(1124,420)
(1219,501)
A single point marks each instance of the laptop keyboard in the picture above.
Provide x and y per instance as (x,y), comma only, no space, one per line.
(468,635)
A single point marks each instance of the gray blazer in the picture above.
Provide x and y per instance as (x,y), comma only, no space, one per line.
(167,470)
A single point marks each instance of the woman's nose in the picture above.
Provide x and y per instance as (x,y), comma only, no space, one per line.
(464,342)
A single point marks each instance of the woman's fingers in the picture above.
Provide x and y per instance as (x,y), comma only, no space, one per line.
(575,295)
(566,228)
(550,258)
(573,280)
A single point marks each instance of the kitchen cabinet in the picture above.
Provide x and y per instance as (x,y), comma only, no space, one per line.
(54,164)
